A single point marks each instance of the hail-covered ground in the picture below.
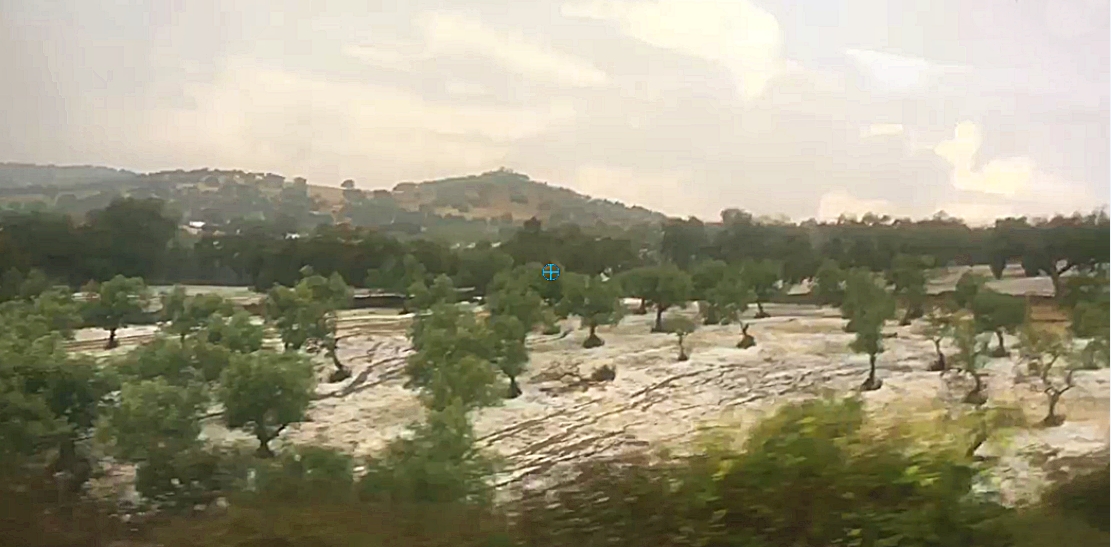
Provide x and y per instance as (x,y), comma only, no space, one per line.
(656,401)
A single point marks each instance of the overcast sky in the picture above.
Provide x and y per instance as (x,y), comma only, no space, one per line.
(805,108)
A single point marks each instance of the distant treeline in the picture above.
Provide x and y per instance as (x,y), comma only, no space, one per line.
(140,237)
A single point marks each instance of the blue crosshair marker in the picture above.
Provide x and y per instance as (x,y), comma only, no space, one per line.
(551,272)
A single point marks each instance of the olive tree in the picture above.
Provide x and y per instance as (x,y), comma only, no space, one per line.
(873,306)
(829,284)
(515,309)
(972,352)
(111,304)
(998,313)
(596,302)
(154,418)
(264,392)
(764,278)
(667,286)
(454,359)
(49,401)
(638,283)
(681,326)
(398,275)
(237,332)
(1088,299)
(186,315)
(907,277)
(860,287)
(1050,356)
(705,276)
(968,285)
(423,297)
(938,327)
(307,313)
(436,463)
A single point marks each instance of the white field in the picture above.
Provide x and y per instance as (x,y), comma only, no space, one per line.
(656,401)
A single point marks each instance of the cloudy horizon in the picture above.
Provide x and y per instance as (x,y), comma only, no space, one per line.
(807,109)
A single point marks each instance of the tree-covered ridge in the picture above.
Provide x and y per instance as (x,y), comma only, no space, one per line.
(464,208)
(495,193)
(30,176)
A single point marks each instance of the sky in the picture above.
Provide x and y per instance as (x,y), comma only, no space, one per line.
(806,109)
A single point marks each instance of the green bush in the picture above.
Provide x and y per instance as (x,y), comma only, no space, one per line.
(436,463)
(811,475)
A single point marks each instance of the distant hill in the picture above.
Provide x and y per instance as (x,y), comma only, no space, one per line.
(29,175)
(478,205)
(504,194)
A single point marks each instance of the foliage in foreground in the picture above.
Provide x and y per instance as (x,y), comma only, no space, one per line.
(814,474)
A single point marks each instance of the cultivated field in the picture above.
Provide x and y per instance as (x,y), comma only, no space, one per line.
(655,401)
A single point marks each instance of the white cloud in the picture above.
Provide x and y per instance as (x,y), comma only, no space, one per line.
(899,72)
(448,33)
(881,130)
(464,89)
(297,124)
(391,57)
(975,213)
(838,202)
(661,191)
(735,33)
(1005,176)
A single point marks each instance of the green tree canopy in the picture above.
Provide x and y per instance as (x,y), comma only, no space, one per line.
(829,284)
(308,313)
(155,418)
(437,462)
(595,301)
(665,287)
(907,277)
(189,314)
(110,305)
(441,291)
(971,355)
(871,306)
(764,278)
(264,392)
(454,359)
(998,313)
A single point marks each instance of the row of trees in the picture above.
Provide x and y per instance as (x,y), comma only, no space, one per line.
(139,237)
(969,319)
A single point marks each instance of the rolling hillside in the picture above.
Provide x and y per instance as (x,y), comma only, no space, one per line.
(492,199)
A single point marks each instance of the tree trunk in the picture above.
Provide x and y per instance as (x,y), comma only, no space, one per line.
(906,318)
(871,383)
(112,342)
(264,451)
(341,373)
(682,351)
(264,439)
(1051,418)
(1055,277)
(71,468)
(976,396)
(643,309)
(1000,351)
(760,313)
(939,364)
(659,326)
(514,389)
(592,341)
